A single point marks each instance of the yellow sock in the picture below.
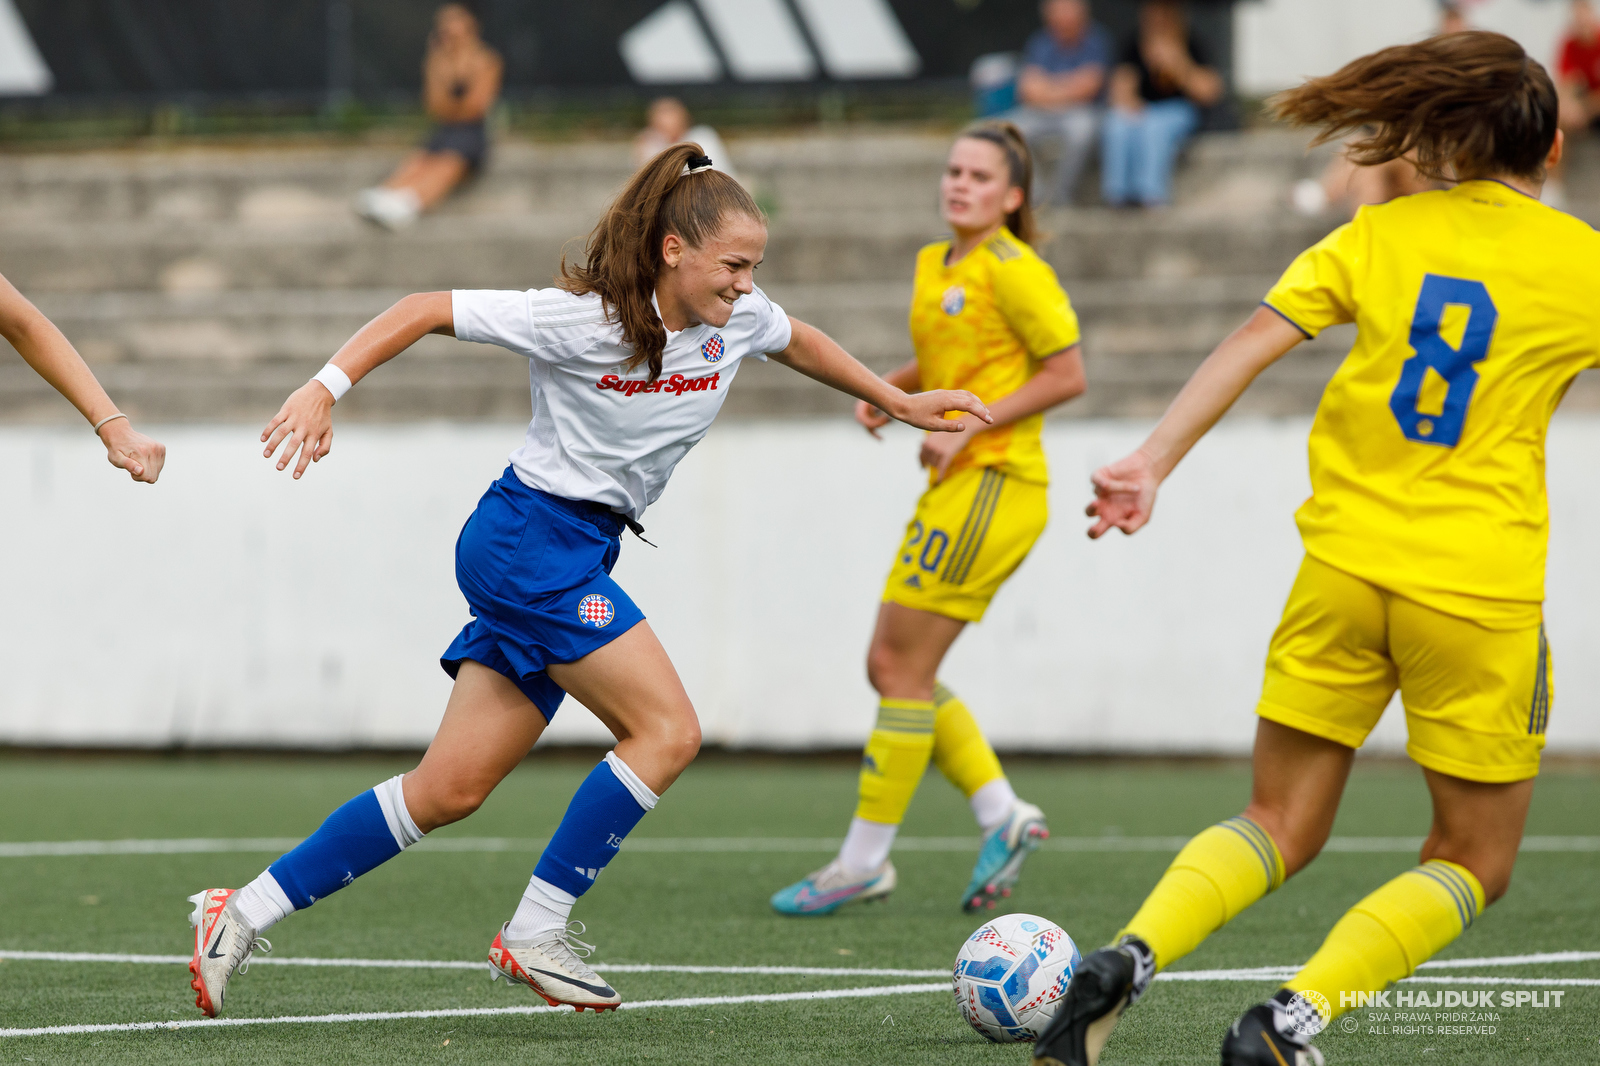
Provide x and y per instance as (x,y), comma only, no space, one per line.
(1390,933)
(1217,874)
(896,757)
(960,750)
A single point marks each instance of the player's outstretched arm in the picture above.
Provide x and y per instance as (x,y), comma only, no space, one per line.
(1125,491)
(907,377)
(1060,378)
(44,347)
(304,423)
(815,355)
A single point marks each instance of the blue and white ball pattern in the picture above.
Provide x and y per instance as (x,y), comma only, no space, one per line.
(1011,974)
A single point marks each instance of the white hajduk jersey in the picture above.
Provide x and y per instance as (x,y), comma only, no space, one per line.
(601,432)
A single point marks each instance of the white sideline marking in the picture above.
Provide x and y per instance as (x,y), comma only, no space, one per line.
(446,964)
(1513,960)
(474,1012)
(1258,973)
(791,845)
(1252,973)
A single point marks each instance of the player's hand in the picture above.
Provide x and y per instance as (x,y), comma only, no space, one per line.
(939,450)
(870,418)
(1124,495)
(128,449)
(926,410)
(303,424)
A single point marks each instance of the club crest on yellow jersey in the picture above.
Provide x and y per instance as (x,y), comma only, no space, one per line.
(955,298)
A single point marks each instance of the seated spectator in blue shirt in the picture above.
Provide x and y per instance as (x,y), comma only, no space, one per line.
(1063,80)
(1160,84)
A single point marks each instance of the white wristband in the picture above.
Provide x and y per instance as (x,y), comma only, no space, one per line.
(336,381)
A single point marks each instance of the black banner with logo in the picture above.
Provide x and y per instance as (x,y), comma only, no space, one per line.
(373,48)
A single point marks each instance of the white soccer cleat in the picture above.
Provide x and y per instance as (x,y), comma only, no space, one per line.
(554,968)
(223,944)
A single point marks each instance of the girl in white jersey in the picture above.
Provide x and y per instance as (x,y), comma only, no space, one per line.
(630,359)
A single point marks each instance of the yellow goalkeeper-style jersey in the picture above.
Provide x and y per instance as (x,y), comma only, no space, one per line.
(1476,307)
(983,324)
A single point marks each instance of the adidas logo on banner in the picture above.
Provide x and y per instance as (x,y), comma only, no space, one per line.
(23,71)
(688,41)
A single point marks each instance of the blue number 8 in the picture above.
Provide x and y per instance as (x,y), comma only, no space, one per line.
(1455,365)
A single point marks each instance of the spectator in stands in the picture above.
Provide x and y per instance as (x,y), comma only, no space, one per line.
(1578,70)
(1157,90)
(1065,66)
(668,123)
(1451,18)
(460,83)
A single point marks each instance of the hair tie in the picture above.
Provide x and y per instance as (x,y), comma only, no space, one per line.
(697,163)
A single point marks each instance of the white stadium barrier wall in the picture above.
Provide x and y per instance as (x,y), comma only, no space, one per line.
(1279,43)
(229,606)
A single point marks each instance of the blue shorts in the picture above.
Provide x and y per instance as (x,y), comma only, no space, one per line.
(536,572)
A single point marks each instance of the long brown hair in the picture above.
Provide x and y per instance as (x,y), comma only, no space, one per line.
(1465,105)
(1019,162)
(623,254)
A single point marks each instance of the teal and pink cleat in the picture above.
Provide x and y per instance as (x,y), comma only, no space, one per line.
(1004,851)
(831,887)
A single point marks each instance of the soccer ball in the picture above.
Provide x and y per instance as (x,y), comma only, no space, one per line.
(1011,974)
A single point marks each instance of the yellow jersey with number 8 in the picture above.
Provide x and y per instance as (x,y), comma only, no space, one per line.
(982,324)
(1476,307)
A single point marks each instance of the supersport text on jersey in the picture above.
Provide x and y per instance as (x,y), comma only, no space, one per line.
(583,445)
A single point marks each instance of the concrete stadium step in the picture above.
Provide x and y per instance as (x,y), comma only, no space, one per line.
(513,251)
(239,327)
(265,186)
(204,285)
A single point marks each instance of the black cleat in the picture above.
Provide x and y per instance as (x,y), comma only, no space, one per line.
(1266,1035)
(1107,982)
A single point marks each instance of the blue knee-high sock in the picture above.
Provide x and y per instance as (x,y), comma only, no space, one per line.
(354,839)
(605,809)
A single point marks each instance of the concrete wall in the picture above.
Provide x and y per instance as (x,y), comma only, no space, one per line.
(228,605)
(1278,43)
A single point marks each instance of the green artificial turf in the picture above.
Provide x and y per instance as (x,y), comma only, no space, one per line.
(707,908)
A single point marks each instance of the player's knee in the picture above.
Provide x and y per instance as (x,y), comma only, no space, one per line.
(891,675)
(676,739)
(451,804)
(684,742)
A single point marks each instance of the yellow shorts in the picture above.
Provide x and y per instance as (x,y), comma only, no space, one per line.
(968,535)
(1477,700)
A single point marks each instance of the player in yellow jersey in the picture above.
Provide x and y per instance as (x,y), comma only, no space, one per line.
(1424,534)
(989,316)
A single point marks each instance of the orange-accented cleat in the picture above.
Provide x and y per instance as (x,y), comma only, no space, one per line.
(223,944)
(554,968)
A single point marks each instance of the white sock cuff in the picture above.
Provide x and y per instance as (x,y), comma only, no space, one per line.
(392,798)
(630,781)
(549,896)
(991,804)
(866,845)
(263,902)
